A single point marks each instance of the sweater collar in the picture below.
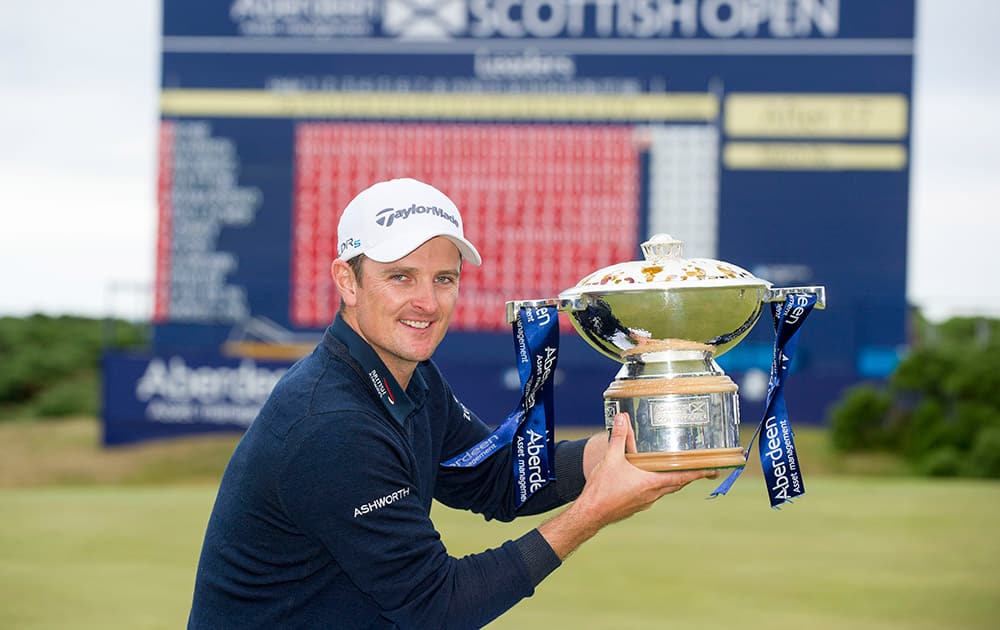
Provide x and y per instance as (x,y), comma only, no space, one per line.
(397,401)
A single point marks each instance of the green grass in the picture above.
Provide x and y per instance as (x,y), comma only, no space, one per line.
(852,553)
(99,557)
(113,551)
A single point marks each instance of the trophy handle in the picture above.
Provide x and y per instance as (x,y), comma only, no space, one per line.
(779,295)
(563,304)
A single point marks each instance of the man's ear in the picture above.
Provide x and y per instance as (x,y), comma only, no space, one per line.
(344,280)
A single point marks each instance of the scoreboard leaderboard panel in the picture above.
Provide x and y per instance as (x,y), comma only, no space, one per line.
(544,204)
(774,135)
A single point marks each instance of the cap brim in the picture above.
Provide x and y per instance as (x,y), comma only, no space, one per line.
(390,251)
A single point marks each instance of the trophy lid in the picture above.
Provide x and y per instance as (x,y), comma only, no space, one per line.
(665,298)
(665,267)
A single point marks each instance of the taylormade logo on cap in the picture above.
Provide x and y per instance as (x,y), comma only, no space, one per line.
(386,217)
(390,219)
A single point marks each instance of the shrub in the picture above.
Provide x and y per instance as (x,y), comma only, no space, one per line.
(945,461)
(68,398)
(925,370)
(984,456)
(923,430)
(975,377)
(941,409)
(858,422)
(50,364)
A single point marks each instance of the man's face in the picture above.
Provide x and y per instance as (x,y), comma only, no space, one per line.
(402,308)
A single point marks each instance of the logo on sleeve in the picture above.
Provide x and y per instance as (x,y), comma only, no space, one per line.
(381,502)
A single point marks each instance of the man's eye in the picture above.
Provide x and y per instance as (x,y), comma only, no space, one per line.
(447,279)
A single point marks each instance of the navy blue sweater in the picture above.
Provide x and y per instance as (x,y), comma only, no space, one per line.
(322,516)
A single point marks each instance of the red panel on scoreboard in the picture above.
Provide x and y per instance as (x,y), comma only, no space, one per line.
(544,204)
(164,235)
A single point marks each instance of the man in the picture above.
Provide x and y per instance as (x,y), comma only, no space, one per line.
(322,517)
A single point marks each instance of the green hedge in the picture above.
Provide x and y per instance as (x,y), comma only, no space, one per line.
(49,366)
(940,409)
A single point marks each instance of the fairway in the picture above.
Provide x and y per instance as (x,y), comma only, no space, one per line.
(854,553)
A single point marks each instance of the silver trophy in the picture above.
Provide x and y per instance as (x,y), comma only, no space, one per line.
(667,318)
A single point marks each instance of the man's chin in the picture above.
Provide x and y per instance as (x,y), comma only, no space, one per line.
(423,356)
(426,354)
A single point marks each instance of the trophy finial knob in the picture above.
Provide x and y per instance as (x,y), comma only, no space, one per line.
(662,246)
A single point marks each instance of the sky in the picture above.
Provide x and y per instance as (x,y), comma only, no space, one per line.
(79,83)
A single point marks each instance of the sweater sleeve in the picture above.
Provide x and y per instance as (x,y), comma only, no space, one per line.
(492,483)
(490,487)
(353,489)
(568,484)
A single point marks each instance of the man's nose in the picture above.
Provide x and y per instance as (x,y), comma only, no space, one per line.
(425,297)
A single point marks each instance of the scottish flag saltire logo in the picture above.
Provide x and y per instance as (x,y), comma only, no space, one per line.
(425,19)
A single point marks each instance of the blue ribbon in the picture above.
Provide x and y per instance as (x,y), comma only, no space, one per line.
(530,425)
(776,440)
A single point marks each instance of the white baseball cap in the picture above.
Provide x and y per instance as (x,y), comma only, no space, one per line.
(390,219)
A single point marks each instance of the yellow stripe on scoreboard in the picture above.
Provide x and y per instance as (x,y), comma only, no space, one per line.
(806,156)
(695,107)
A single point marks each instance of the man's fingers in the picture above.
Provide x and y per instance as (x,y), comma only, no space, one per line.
(619,433)
(681,478)
(630,446)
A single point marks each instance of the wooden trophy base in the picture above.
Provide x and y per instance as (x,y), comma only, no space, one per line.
(688,460)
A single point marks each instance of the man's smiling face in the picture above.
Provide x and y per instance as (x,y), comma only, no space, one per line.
(402,308)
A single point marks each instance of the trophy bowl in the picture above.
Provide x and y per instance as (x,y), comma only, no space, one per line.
(666,319)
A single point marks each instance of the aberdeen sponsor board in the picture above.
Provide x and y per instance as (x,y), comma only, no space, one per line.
(148,397)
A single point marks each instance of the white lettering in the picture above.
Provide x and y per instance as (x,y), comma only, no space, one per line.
(174,381)
(604,17)
(522,477)
(522,65)
(522,344)
(381,502)
(305,18)
(683,15)
(307,9)
(543,369)
(543,316)
(506,25)
(721,18)
(377,382)
(654,18)
(785,472)
(544,18)
(536,445)
(478,452)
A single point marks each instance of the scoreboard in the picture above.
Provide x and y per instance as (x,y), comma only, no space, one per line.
(514,183)
(773,134)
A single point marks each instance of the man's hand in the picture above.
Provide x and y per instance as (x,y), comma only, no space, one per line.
(614,491)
